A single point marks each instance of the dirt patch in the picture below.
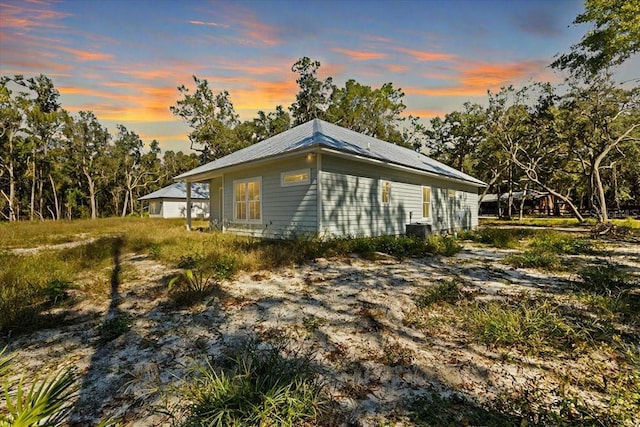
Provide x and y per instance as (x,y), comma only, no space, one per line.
(355,314)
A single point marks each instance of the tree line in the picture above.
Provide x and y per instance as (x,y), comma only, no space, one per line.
(577,140)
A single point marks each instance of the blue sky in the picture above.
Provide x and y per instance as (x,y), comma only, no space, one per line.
(124,59)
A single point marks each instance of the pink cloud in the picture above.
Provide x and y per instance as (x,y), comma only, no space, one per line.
(360,55)
(426,56)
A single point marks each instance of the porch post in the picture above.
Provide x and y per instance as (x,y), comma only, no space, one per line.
(188,184)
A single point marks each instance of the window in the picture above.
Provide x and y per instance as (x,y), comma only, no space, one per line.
(452,193)
(426,202)
(297,177)
(246,199)
(155,208)
(386,192)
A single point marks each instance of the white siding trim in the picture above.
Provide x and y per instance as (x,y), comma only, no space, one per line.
(319,191)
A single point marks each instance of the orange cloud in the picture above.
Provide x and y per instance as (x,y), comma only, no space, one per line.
(424,56)
(396,68)
(476,79)
(86,55)
(359,55)
(20,17)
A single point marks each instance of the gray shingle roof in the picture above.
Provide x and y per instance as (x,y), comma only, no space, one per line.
(321,134)
(179,191)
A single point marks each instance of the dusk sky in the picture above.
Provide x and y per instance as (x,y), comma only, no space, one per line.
(124,59)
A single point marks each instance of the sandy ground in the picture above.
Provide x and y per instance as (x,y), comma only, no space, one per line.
(351,312)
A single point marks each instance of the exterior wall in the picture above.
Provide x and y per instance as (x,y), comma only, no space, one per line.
(352,200)
(286,211)
(215,214)
(177,208)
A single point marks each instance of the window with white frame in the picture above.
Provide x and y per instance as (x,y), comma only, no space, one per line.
(297,177)
(386,192)
(426,202)
(247,200)
(155,207)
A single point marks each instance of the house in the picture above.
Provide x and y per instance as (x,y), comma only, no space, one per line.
(171,201)
(320,178)
(535,203)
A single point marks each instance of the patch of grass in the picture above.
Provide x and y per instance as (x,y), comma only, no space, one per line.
(313,323)
(395,354)
(605,279)
(445,291)
(115,326)
(566,407)
(259,385)
(435,410)
(534,259)
(55,291)
(561,243)
(529,325)
(503,238)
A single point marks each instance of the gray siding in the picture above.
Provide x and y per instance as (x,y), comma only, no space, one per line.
(215,215)
(352,201)
(286,211)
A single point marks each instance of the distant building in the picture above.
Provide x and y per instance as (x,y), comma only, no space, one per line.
(171,201)
(535,203)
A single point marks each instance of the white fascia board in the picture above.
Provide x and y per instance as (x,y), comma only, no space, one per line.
(206,176)
(399,167)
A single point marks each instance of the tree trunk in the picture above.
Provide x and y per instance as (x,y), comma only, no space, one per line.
(126,200)
(522,200)
(55,197)
(604,215)
(33,187)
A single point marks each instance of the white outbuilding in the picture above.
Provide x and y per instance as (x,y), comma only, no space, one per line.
(171,201)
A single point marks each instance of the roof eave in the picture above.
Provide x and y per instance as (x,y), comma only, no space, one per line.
(401,167)
(210,174)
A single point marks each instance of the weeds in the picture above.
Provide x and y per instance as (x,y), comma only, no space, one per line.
(504,238)
(114,327)
(446,291)
(605,279)
(531,326)
(434,409)
(313,323)
(534,259)
(261,385)
(395,354)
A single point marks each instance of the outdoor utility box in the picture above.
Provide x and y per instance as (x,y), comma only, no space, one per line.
(419,230)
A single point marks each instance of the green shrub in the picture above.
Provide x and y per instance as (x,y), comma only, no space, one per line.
(46,402)
(55,291)
(260,386)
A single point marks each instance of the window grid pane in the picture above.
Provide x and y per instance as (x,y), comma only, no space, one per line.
(386,193)
(426,202)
